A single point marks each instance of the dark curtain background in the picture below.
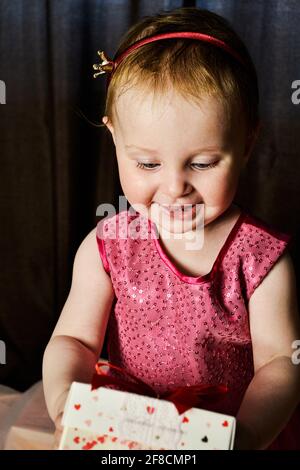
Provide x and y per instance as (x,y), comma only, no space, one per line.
(56,168)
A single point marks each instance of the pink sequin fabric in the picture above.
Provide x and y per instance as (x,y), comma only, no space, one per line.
(172,330)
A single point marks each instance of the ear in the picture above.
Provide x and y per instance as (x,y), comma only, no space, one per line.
(251,140)
(106,121)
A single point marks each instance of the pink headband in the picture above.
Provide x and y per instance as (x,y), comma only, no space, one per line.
(108,65)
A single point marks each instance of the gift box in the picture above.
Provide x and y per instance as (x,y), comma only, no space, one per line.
(103,418)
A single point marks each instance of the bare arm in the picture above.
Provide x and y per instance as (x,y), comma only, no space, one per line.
(78,337)
(274,391)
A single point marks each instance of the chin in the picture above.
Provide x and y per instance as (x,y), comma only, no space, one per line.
(177,223)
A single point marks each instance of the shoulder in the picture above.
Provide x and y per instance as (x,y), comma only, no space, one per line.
(87,267)
(88,246)
(273,313)
(261,231)
(280,278)
(260,247)
(86,310)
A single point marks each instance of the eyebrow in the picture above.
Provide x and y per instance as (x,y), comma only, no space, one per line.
(206,149)
(141,148)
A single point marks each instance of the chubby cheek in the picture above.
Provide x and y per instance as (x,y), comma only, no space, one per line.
(221,188)
(137,189)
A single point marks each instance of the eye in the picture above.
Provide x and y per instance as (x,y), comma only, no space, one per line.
(203,166)
(147,166)
(198,166)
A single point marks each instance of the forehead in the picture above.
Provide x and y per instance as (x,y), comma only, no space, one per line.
(138,112)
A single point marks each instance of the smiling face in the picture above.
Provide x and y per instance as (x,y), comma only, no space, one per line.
(172,152)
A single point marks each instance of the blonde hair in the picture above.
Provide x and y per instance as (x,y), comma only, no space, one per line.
(191,67)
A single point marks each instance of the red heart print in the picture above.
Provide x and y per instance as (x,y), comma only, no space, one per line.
(132,444)
(150,410)
(111,429)
(77,407)
(185,420)
(89,445)
(76,439)
(225,424)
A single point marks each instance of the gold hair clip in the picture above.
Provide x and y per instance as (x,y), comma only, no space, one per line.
(106,65)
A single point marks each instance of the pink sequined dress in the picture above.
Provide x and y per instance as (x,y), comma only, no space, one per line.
(172,330)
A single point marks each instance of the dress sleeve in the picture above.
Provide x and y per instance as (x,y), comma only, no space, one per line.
(101,246)
(261,256)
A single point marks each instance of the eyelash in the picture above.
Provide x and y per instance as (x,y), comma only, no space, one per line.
(144,166)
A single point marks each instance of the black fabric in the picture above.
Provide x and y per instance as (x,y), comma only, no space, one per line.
(56,168)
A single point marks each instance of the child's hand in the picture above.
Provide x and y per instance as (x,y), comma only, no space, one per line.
(57,421)
(58,431)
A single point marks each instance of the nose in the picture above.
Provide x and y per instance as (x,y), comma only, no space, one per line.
(175,184)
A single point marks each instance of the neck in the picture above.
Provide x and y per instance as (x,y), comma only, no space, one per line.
(191,240)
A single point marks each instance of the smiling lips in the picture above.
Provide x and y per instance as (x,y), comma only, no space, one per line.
(180,211)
